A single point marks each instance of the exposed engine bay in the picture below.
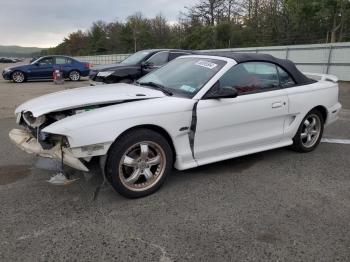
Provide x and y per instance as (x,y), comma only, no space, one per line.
(33,140)
(42,113)
(35,124)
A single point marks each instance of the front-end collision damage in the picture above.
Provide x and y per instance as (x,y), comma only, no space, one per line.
(40,117)
(28,143)
(34,140)
(32,121)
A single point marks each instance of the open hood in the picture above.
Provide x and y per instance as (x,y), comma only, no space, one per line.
(87,96)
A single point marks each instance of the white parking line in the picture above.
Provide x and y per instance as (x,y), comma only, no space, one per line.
(336,141)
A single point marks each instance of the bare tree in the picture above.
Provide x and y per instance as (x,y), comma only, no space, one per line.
(233,10)
(338,20)
(208,11)
(160,29)
(136,21)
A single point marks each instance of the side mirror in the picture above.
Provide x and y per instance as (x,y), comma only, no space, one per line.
(37,64)
(146,64)
(224,92)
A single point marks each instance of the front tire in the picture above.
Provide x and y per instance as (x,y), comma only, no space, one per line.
(18,77)
(309,133)
(138,163)
(74,75)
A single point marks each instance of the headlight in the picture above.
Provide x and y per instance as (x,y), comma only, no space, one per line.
(105,73)
(33,121)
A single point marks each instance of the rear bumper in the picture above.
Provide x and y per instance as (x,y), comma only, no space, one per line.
(85,73)
(333,113)
(28,143)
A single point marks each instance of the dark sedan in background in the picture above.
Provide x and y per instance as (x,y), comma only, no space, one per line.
(42,69)
(135,66)
(6,60)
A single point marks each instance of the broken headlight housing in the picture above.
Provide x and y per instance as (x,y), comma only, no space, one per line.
(33,121)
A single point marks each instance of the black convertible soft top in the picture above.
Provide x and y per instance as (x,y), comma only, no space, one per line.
(287,65)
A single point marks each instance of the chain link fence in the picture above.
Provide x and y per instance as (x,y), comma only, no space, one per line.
(321,58)
(102,59)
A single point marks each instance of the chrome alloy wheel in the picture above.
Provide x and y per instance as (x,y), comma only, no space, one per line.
(142,165)
(311,130)
(18,77)
(74,76)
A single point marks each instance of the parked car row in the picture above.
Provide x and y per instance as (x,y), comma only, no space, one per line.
(42,69)
(127,71)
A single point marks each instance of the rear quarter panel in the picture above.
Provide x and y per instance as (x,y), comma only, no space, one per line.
(302,99)
(80,66)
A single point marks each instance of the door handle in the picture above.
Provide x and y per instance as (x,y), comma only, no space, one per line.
(277,104)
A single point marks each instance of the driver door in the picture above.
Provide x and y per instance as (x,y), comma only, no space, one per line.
(255,118)
(43,69)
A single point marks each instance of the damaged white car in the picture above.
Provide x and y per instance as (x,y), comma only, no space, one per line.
(196,110)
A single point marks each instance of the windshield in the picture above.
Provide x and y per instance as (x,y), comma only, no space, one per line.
(35,61)
(184,76)
(136,58)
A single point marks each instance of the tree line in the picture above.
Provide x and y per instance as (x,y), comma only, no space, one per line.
(210,24)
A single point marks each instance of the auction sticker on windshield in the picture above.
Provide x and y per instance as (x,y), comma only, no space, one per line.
(188,88)
(206,64)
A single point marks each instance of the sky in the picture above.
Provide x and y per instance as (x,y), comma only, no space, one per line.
(44,23)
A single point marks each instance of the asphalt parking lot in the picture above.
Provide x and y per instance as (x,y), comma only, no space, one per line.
(273,206)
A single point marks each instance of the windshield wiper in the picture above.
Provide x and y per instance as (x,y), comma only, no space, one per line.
(157,86)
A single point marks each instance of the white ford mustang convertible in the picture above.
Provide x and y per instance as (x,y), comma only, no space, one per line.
(196,110)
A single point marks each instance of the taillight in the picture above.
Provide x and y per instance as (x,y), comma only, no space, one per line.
(87,65)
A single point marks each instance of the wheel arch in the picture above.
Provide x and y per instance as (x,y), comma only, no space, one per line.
(18,70)
(75,69)
(152,127)
(320,108)
(323,111)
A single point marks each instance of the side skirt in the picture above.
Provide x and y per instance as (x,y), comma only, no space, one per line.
(243,152)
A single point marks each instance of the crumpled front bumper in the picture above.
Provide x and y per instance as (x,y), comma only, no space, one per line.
(28,143)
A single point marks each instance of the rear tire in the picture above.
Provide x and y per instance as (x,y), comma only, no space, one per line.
(138,163)
(74,75)
(18,77)
(309,133)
